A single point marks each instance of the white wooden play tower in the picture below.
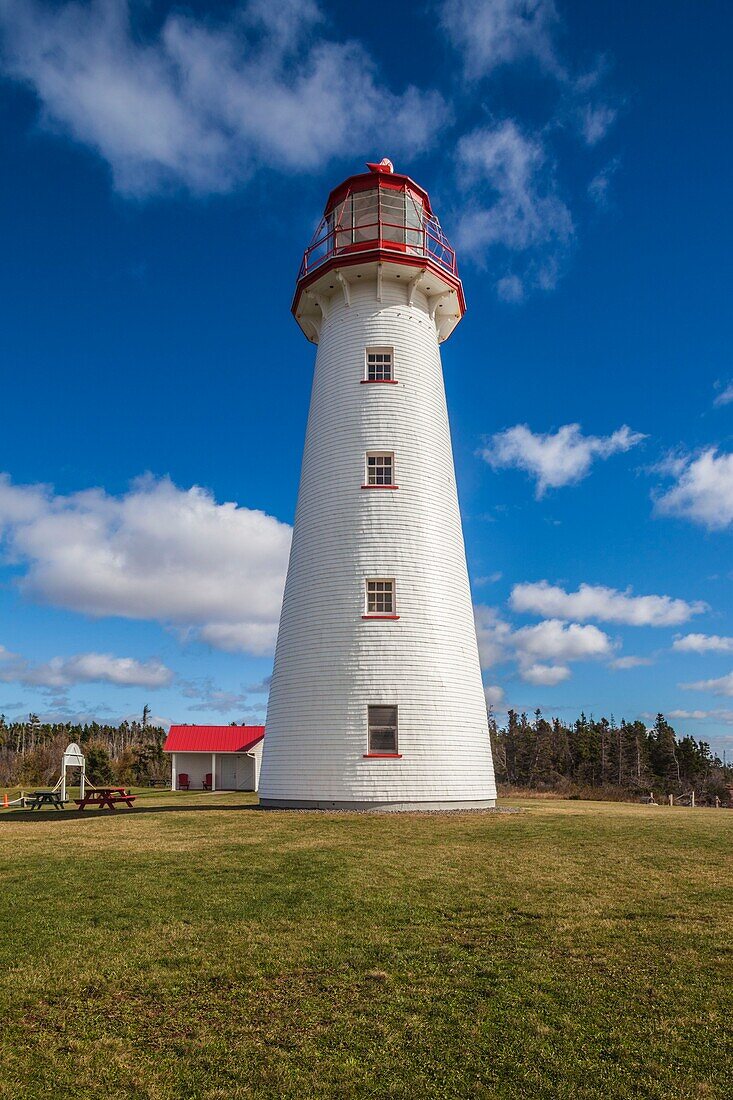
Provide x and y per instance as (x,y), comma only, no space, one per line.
(376,699)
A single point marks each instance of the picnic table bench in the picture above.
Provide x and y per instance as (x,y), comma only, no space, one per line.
(46,798)
(106,797)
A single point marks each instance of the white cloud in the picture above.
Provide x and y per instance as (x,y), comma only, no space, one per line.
(595,121)
(490,33)
(725,396)
(703,489)
(286,23)
(513,203)
(542,651)
(210,698)
(494,694)
(556,458)
(718,715)
(555,640)
(598,188)
(703,643)
(630,662)
(239,637)
(510,288)
(84,668)
(262,687)
(545,675)
(490,578)
(513,200)
(605,604)
(12,707)
(723,685)
(157,552)
(600,185)
(493,635)
(203,104)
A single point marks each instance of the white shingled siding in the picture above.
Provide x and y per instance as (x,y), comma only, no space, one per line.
(330,664)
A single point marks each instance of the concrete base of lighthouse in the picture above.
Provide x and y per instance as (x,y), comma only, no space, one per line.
(375,807)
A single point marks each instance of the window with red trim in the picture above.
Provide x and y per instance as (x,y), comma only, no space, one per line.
(380,596)
(382,730)
(380,468)
(379,365)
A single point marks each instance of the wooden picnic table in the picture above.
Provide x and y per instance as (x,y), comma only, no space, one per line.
(106,798)
(46,798)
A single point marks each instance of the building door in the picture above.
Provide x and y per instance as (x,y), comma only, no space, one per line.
(237,773)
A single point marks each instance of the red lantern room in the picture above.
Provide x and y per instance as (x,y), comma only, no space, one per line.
(379,220)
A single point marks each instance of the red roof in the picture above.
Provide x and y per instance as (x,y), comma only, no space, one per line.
(213,738)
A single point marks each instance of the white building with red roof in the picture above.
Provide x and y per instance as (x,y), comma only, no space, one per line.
(215,758)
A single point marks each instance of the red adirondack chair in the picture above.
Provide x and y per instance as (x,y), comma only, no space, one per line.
(183,782)
(207,781)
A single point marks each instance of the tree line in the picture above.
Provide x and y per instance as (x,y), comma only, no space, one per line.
(128,753)
(587,758)
(601,758)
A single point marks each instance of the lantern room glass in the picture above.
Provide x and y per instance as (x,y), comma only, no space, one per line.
(379,216)
(386,215)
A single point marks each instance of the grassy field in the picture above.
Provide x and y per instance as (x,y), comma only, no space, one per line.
(199,948)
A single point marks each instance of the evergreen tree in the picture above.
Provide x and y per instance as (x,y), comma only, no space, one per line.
(663,755)
(98,763)
(542,772)
(588,753)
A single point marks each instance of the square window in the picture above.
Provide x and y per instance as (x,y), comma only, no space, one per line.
(380,468)
(379,365)
(380,597)
(382,729)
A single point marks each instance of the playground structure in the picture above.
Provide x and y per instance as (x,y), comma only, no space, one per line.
(72,757)
(89,794)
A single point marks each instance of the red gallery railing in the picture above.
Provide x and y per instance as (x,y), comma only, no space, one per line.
(425,239)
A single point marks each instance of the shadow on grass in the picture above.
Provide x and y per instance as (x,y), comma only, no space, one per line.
(28,816)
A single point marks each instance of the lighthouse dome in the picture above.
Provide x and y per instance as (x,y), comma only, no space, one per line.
(378,217)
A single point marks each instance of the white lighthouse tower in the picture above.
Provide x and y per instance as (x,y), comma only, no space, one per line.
(376,699)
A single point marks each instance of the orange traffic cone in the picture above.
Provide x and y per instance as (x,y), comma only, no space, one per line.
(6,804)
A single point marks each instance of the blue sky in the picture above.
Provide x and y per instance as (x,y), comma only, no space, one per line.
(161,170)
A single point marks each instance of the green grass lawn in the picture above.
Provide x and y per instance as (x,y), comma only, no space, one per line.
(198,948)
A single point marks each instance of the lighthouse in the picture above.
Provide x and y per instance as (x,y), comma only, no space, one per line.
(376,700)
